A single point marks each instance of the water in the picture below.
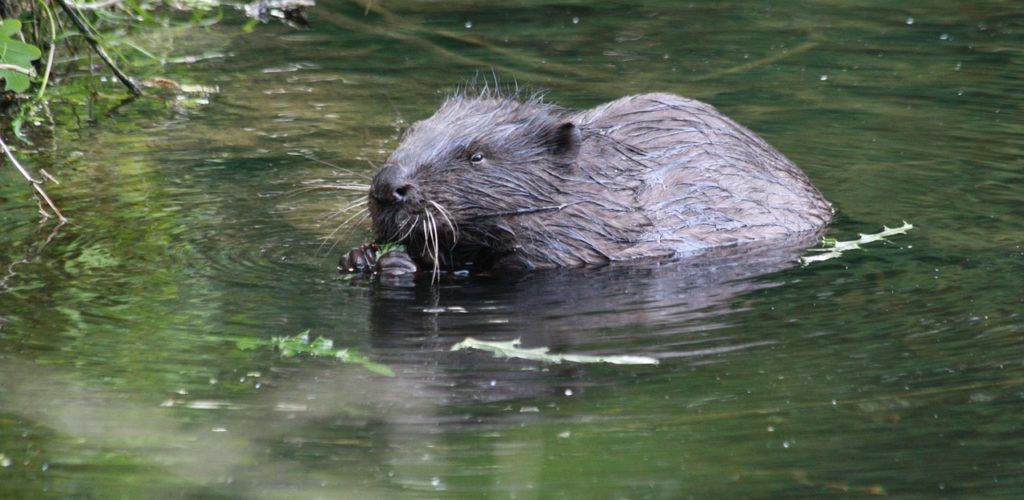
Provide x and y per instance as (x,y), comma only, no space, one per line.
(897,369)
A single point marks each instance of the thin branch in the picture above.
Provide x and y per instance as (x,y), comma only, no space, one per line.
(18,69)
(48,176)
(35,183)
(80,24)
(97,5)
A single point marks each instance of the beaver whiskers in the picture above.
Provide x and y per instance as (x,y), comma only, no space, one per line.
(448,220)
(430,244)
(432,236)
(356,208)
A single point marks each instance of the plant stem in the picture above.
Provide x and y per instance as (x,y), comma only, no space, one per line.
(53,51)
(18,69)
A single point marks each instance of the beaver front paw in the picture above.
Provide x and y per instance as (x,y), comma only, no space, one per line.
(368,258)
(362,259)
(396,263)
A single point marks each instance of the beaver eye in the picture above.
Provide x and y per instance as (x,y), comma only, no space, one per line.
(476,158)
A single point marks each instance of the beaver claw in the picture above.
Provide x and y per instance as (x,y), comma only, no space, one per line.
(365,259)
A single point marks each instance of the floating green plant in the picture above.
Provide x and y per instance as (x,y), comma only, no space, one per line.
(391,247)
(511,349)
(320,347)
(832,248)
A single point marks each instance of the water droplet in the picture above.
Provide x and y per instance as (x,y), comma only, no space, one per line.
(575,20)
(469,24)
(910,21)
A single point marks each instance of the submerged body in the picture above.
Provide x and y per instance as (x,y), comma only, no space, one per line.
(495,181)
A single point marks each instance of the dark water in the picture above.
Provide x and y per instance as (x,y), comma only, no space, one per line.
(894,370)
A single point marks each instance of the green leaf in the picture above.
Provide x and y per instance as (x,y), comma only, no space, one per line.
(391,247)
(511,349)
(16,53)
(249,343)
(301,344)
(9,27)
(832,248)
(15,81)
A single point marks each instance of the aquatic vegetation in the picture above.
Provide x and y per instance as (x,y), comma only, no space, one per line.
(511,349)
(301,343)
(105,29)
(832,248)
(391,247)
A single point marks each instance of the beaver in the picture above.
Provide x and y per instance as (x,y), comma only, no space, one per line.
(508,181)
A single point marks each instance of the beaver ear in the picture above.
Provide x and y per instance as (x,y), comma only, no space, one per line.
(565,140)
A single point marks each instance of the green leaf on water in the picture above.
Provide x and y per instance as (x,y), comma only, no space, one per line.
(832,248)
(511,349)
(391,247)
(250,343)
(301,344)
(16,53)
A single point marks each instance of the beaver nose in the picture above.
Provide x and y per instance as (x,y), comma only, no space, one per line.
(390,186)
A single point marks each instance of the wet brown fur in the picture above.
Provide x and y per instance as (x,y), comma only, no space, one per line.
(646,176)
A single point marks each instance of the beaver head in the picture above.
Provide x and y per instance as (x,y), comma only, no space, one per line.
(453,190)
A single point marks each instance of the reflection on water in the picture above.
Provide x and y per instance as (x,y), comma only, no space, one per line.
(895,369)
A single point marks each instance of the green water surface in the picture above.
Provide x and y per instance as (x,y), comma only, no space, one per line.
(203,220)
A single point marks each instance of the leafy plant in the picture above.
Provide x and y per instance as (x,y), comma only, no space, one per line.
(511,349)
(301,344)
(391,247)
(832,248)
(16,57)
